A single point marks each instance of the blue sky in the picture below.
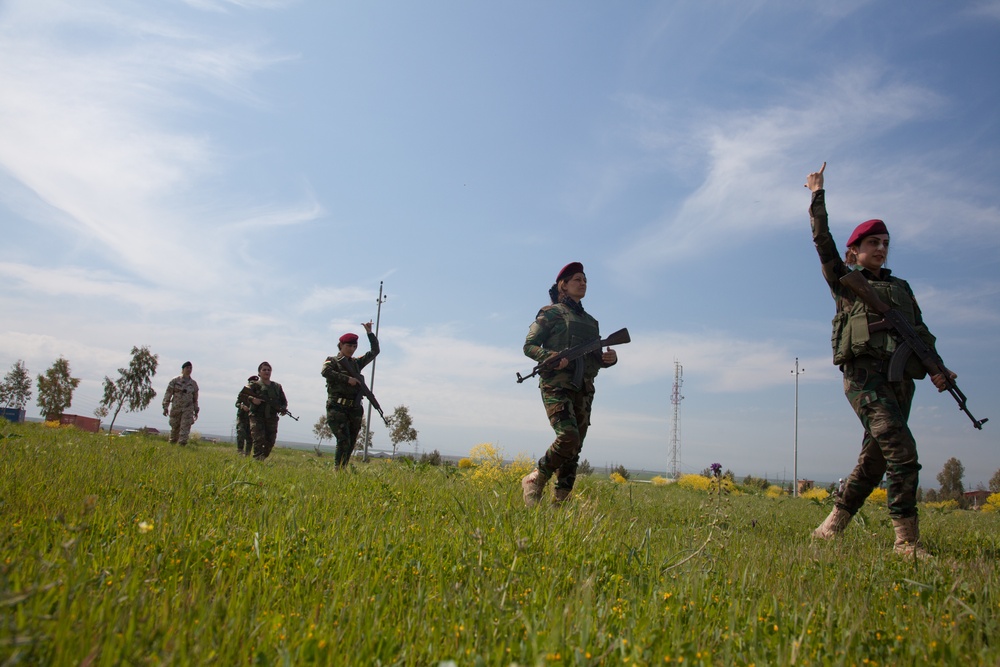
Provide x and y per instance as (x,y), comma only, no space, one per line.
(228,181)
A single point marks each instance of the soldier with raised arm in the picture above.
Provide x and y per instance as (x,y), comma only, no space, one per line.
(862,351)
(344,413)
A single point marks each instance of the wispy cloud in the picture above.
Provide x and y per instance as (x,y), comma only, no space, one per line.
(92,128)
(751,154)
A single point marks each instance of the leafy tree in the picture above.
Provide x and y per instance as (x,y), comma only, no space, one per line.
(432,458)
(55,389)
(995,482)
(584,468)
(623,471)
(931,496)
(15,390)
(950,479)
(321,429)
(401,427)
(133,390)
(759,483)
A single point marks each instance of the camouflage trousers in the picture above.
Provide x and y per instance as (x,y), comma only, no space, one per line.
(345,424)
(180,425)
(888,447)
(244,443)
(263,433)
(569,414)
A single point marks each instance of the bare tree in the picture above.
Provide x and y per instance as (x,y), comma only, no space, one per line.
(55,389)
(401,427)
(15,390)
(133,390)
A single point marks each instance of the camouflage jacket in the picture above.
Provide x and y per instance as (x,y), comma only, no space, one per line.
(272,395)
(337,385)
(559,326)
(183,393)
(851,338)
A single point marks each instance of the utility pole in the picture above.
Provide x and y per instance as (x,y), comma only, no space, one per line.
(675,434)
(795,438)
(371,381)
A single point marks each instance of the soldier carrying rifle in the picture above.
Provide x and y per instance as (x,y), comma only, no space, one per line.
(567,386)
(865,347)
(345,388)
(267,402)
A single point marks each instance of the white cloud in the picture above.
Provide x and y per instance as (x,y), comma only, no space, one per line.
(754,158)
(89,128)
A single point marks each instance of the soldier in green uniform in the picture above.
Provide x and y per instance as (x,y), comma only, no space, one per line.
(180,403)
(267,402)
(343,397)
(244,445)
(568,390)
(862,352)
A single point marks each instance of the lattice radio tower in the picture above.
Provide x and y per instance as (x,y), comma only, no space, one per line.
(675,432)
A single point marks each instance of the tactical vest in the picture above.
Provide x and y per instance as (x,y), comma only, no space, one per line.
(851,336)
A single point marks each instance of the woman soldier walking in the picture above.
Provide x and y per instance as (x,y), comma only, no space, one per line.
(863,354)
(567,390)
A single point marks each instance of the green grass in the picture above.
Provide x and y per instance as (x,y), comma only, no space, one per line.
(132,551)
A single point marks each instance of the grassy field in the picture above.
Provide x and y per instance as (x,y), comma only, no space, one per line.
(132,551)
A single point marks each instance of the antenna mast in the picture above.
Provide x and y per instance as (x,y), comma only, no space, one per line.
(675,433)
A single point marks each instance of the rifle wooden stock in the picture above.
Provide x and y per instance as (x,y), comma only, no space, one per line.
(619,337)
(910,343)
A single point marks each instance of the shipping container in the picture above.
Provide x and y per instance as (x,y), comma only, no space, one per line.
(12,415)
(82,423)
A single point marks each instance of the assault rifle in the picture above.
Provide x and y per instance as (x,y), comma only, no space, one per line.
(619,337)
(365,391)
(911,343)
(253,391)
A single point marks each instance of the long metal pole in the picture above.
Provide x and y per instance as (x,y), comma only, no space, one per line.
(795,438)
(371,382)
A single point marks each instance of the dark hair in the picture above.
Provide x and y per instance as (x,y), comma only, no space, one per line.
(262,364)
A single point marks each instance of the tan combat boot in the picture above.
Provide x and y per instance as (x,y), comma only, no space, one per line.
(908,538)
(561,496)
(833,525)
(533,485)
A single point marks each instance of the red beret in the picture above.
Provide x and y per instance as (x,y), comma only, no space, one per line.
(867,228)
(349,338)
(569,271)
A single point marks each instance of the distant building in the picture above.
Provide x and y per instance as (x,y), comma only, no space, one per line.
(976,498)
(805,485)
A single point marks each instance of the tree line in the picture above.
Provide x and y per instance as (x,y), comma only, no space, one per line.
(131,391)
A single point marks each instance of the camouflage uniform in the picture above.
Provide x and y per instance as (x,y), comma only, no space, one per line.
(344,413)
(888,447)
(264,417)
(567,394)
(181,399)
(243,442)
